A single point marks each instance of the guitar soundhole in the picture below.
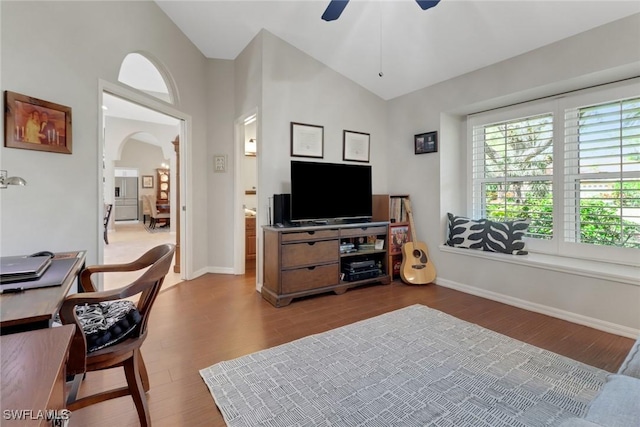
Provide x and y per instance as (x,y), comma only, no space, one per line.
(417,253)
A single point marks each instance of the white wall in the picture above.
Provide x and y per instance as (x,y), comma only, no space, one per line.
(436,182)
(60,57)
(220,92)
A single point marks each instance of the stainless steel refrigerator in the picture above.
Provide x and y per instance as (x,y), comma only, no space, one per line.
(126,198)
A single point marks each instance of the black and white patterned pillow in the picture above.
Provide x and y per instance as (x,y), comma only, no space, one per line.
(465,232)
(492,236)
(107,323)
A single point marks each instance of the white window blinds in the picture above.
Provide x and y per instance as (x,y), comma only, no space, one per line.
(513,172)
(602,174)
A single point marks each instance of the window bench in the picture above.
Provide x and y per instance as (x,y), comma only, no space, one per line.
(583,267)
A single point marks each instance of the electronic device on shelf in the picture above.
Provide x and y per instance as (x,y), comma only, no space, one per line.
(315,197)
(359,265)
(347,248)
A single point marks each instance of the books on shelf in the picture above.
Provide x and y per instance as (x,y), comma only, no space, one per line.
(397,210)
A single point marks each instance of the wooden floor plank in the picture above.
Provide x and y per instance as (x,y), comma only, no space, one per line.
(220,317)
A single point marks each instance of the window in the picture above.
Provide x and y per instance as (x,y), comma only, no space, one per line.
(602,174)
(513,172)
(571,165)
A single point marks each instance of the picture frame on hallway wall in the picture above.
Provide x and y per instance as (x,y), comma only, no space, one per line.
(147,181)
(426,142)
(356,146)
(34,124)
(307,140)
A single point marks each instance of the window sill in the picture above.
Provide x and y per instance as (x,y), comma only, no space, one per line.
(584,267)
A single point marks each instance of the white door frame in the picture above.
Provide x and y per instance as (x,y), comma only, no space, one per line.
(186,216)
(239,218)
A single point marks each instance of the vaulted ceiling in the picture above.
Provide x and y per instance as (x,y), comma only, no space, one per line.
(412,48)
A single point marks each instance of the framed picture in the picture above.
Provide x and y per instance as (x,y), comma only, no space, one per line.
(147,181)
(426,142)
(399,236)
(34,124)
(355,146)
(307,140)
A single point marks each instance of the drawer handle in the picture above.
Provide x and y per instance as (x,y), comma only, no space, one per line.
(364,228)
(311,232)
(311,243)
(311,268)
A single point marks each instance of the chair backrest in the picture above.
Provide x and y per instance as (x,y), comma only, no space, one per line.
(107,214)
(153,209)
(146,206)
(158,260)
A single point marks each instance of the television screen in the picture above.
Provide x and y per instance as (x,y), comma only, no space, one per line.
(330,191)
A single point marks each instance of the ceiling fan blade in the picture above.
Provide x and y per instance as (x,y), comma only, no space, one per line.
(334,10)
(427,4)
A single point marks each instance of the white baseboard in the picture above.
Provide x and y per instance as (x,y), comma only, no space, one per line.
(215,270)
(591,322)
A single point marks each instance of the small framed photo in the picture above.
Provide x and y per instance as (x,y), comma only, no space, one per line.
(34,124)
(355,146)
(307,140)
(426,142)
(379,245)
(147,181)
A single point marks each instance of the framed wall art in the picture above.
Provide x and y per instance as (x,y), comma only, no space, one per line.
(147,181)
(355,146)
(426,142)
(34,124)
(307,140)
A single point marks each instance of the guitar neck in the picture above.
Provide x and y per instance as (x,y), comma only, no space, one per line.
(407,206)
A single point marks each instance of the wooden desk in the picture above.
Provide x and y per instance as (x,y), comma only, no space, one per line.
(33,375)
(35,308)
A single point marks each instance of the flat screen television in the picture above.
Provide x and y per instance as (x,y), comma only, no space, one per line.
(330,191)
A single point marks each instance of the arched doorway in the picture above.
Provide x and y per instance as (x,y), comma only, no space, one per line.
(133,115)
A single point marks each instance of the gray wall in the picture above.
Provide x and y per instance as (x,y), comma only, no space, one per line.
(60,57)
(438,181)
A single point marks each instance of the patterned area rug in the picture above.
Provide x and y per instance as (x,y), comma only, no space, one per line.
(410,367)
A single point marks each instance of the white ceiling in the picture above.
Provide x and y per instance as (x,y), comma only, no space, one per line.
(419,48)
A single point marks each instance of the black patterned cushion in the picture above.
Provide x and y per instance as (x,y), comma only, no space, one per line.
(107,323)
(504,237)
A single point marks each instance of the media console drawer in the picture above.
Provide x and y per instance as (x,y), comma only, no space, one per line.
(310,253)
(304,279)
(309,235)
(362,231)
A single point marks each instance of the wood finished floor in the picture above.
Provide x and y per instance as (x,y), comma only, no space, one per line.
(220,317)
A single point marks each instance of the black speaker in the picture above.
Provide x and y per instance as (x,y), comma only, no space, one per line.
(281,209)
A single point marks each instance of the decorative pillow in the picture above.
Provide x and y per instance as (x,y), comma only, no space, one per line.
(465,232)
(107,323)
(506,237)
(491,236)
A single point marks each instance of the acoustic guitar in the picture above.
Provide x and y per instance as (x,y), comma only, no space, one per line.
(416,267)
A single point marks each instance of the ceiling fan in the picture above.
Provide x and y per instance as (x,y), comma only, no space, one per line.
(336,7)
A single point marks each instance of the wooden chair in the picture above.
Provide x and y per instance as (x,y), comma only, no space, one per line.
(107,216)
(155,216)
(146,210)
(126,351)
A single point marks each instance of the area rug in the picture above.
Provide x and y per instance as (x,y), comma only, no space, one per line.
(411,367)
(158,229)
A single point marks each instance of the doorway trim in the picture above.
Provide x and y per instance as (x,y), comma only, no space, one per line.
(138,97)
(239,266)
